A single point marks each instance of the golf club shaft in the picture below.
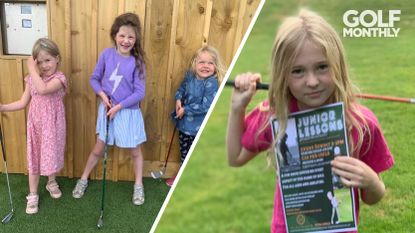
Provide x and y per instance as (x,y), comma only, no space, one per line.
(264,86)
(168,151)
(3,149)
(159,174)
(104,178)
(8,186)
(101,218)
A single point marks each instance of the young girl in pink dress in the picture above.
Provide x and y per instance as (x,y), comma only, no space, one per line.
(46,129)
(308,70)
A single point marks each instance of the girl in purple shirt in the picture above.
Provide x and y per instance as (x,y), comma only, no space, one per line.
(119,80)
(308,70)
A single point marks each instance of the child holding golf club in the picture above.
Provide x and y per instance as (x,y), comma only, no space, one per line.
(46,127)
(119,80)
(195,95)
(308,69)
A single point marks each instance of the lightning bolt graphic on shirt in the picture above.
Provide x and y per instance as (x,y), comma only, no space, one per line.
(116,78)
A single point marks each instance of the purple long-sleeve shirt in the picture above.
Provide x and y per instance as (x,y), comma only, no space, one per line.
(119,78)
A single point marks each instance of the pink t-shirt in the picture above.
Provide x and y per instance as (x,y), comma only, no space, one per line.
(257,137)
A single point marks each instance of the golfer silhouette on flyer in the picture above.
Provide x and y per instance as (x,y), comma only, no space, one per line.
(285,152)
(335,208)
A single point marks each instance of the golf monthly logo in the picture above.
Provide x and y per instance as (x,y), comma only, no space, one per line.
(369,23)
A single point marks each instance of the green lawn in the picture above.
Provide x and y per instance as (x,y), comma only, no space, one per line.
(212,197)
(81,215)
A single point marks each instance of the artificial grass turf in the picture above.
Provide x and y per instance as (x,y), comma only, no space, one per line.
(68,214)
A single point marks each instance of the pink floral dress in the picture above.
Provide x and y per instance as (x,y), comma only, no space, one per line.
(46,129)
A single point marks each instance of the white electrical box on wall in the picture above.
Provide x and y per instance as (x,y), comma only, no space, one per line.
(24,23)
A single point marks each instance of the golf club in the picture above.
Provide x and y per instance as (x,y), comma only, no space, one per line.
(9,216)
(265,86)
(159,174)
(100,222)
(259,86)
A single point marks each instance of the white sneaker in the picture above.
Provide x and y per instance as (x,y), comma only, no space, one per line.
(32,203)
(79,189)
(138,195)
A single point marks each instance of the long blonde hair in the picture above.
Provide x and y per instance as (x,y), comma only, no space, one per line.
(291,36)
(217,60)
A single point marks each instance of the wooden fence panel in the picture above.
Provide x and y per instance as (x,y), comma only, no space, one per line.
(158,27)
(59,30)
(245,18)
(84,56)
(138,7)
(13,123)
(223,27)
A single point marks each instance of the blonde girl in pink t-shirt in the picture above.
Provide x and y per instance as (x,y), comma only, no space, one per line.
(308,70)
(46,127)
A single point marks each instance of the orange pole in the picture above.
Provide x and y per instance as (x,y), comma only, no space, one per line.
(387,98)
(265,86)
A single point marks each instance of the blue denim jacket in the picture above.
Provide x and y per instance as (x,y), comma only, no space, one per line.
(196,96)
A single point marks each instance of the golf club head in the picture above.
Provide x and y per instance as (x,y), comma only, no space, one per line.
(157,174)
(7,218)
(100,223)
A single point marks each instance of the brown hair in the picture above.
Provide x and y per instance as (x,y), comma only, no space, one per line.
(130,19)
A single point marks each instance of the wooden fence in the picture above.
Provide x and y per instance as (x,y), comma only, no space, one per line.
(173,31)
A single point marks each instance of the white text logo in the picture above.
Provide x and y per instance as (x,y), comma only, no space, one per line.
(369,23)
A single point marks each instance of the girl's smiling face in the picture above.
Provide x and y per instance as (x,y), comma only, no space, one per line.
(125,40)
(205,65)
(310,81)
(46,63)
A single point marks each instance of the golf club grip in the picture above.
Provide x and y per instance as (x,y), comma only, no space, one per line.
(3,150)
(259,86)
(107,123)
